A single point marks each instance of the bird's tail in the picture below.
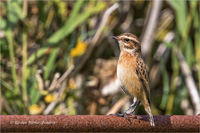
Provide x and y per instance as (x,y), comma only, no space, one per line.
(148,110)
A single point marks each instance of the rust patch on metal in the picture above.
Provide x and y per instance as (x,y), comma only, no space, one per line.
(97,123)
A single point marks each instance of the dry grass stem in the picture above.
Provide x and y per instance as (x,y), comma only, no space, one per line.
(97,35)
(148,38)
(194,95)
(118,105)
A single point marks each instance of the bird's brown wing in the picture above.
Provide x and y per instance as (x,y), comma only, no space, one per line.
(142,74)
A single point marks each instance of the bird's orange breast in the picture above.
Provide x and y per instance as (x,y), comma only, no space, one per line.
(126,73)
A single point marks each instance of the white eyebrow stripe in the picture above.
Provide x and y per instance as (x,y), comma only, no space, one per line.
(131,38)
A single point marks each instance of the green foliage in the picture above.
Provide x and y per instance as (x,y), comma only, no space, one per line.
(181,10)
(49,67)
(165,84)
(74,20)
(37,38)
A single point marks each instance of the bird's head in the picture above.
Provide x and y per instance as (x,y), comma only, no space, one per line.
(128,42)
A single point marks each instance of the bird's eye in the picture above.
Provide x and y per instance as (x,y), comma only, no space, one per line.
(126,39)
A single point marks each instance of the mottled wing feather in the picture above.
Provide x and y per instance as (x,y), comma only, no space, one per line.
(142,74)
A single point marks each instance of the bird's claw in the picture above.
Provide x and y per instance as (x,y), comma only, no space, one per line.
(134,116)
(124,115)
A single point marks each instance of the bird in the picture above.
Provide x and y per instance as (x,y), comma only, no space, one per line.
(132,74)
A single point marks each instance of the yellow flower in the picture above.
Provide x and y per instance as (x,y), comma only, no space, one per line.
(49,98)
(79,49)
(35,109)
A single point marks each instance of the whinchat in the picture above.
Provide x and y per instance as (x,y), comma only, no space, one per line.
(132,74)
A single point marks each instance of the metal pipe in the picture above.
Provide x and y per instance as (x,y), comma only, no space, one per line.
(97,123)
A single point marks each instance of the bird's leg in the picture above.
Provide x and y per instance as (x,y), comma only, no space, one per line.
(131,113)
(125,112)
(136,105)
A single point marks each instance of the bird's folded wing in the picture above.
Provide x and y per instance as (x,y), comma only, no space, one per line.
(142,75)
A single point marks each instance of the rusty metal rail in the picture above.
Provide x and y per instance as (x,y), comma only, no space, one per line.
(97,123)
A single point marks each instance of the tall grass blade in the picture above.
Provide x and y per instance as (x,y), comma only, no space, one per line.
(9,36)
(67,29)
(24,67)
(165,85)
(50,63)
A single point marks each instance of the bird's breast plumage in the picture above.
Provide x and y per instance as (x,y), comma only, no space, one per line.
(126,73)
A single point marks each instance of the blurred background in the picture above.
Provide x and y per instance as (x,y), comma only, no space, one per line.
(58,57)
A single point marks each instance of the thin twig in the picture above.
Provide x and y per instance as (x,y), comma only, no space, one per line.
(39,79)
(54,82)
(51,106)
(97,35)
(161,53)
(65,75)
(147,39)
(25,7)
(190,83)
(118,105)
(103,22)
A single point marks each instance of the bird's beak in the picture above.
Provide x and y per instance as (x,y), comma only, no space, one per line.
(115,37)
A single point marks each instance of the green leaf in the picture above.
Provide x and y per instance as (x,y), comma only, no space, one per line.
(181,14)
(3,24)
(189,52)
(14,12)
(4,49)
(64,31)
(42,12)
(197,44)
(18,10)
(165,85)
(7,86)
(49,65)
(73,22)
(10,39)
(24,67)
(34,92)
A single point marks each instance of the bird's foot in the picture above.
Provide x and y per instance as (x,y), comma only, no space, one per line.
(124,115)
(134,116)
